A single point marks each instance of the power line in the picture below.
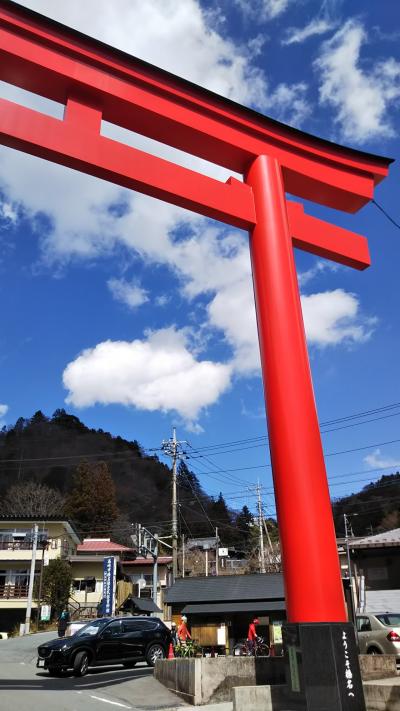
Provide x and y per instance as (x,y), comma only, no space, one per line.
(327,423)
(396,224)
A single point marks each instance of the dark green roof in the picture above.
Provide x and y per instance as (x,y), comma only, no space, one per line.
(227,588)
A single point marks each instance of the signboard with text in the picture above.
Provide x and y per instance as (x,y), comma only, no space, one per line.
(109,571)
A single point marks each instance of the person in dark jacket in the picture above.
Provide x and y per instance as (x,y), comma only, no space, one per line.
(174,634)
(63,622)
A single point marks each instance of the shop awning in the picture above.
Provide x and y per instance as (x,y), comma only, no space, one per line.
(214,608)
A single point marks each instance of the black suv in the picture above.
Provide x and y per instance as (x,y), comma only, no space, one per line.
(109,640)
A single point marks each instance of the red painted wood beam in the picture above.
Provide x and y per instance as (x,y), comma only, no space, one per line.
(76,142)
(76,145)
(326,240)
(52,60)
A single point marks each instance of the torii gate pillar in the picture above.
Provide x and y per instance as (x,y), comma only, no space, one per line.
(320,657)
(317,595)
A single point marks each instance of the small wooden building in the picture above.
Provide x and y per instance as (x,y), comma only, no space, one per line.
(220,608)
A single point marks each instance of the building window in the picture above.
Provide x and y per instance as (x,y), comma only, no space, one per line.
(85,585)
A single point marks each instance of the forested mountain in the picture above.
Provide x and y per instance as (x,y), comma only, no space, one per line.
(375,508)
(76,470)
(56,465)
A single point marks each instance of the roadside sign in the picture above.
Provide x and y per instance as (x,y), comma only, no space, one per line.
(45,613)
(109,573)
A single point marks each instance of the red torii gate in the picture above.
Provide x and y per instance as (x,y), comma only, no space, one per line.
(95,82)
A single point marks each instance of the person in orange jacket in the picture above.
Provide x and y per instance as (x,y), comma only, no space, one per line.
(183,632)
(252,635)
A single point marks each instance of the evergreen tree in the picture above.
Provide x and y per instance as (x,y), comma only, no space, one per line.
(245,526)
(56,585)
(91,503)
(222,518)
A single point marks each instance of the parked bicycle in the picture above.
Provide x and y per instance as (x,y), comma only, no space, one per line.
(259,649)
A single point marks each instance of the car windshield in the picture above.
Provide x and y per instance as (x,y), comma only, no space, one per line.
(91,629)
(390,619)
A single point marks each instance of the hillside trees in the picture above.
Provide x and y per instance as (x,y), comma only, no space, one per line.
(56,585)
(31,498)
(91,503)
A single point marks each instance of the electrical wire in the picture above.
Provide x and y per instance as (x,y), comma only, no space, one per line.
(396,224)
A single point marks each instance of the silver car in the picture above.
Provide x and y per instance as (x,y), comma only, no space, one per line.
(379,633)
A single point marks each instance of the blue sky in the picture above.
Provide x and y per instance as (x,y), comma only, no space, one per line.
(137,316)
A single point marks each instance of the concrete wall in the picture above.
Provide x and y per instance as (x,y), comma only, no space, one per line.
(200,681)
(381,697)
(377,666)
(378,697)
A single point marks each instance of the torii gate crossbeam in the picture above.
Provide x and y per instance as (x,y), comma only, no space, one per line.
(96,82)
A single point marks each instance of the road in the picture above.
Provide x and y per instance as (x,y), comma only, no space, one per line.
(23,687)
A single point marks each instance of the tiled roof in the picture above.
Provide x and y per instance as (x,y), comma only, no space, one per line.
(227,588)
(98,546)
(388,538)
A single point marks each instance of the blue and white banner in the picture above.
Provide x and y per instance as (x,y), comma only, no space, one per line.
(109,571)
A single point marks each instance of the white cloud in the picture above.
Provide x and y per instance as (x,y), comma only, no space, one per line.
(157,373)
(318,26)
(330,318)
(361,98)
(333,317)
(8,212)
(128,293)
(377,461)
(172,35)
(162,300)
(3,412)
(320,266)
(290,102)
(263,10)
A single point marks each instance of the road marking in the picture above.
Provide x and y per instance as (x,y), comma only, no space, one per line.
(106,701)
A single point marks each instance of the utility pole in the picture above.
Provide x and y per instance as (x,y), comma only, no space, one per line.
(346,535)
(44,545)
(31,580)
(183,555)
(216,552)
(155,568)
(147,543)
(173,449)
(260,527)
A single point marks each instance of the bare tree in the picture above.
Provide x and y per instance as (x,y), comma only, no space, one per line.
(32,499)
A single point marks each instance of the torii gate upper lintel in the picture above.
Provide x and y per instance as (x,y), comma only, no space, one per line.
(96,82)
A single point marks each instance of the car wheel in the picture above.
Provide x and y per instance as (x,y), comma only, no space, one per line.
(129,665)
(374,650)
(156,651)
(81,664)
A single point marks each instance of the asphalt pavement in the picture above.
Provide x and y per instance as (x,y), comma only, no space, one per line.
(26,688)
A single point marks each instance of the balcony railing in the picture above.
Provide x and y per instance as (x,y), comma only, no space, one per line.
(10,591)
(19,545)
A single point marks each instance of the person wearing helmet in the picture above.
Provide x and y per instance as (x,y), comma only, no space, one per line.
(252,635)
(183,632)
